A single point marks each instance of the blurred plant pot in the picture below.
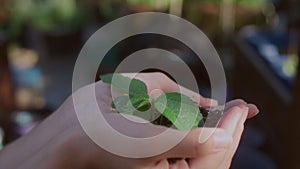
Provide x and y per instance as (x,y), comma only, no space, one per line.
(5,76)
(56,42)
(63,42)
(205,15)
(6,87)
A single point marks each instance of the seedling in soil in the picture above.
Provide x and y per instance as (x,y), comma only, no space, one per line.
(169,109)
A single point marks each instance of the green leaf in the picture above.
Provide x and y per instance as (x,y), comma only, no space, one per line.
(122,83)
(179,109)
(129,106)
(140,102)
(174,107)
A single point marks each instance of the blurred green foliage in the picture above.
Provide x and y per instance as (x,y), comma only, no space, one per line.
(48,15)
(246,3)
(141,1)
(45,15)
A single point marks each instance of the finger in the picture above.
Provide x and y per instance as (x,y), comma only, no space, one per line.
(191,146)
(236,140)
(233,103)
(165,84)
(154,80)
(162,164)
(231,118)
(156,93)
(206,102)
(232,122)
(237,135)
(180,164)
(200,100)
(210,161)
(253,110)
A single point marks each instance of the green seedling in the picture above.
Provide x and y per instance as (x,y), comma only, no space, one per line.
(169,109)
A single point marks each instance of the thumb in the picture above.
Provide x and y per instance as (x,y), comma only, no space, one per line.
(200,142)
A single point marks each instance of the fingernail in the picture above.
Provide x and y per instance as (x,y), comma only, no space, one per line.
(253,110)
(242,106)
(222,140)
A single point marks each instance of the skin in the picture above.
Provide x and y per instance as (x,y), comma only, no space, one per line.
(59,142)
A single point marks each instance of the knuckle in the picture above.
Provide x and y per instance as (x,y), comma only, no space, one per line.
(197,149)
(235,109)
(162,75)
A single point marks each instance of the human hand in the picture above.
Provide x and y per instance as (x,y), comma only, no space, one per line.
(60,142)
(210,154)
(236,113)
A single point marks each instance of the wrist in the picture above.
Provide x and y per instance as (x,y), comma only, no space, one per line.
(43,143)
(65,153)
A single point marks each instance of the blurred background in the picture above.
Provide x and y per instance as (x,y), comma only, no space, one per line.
(257,40)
